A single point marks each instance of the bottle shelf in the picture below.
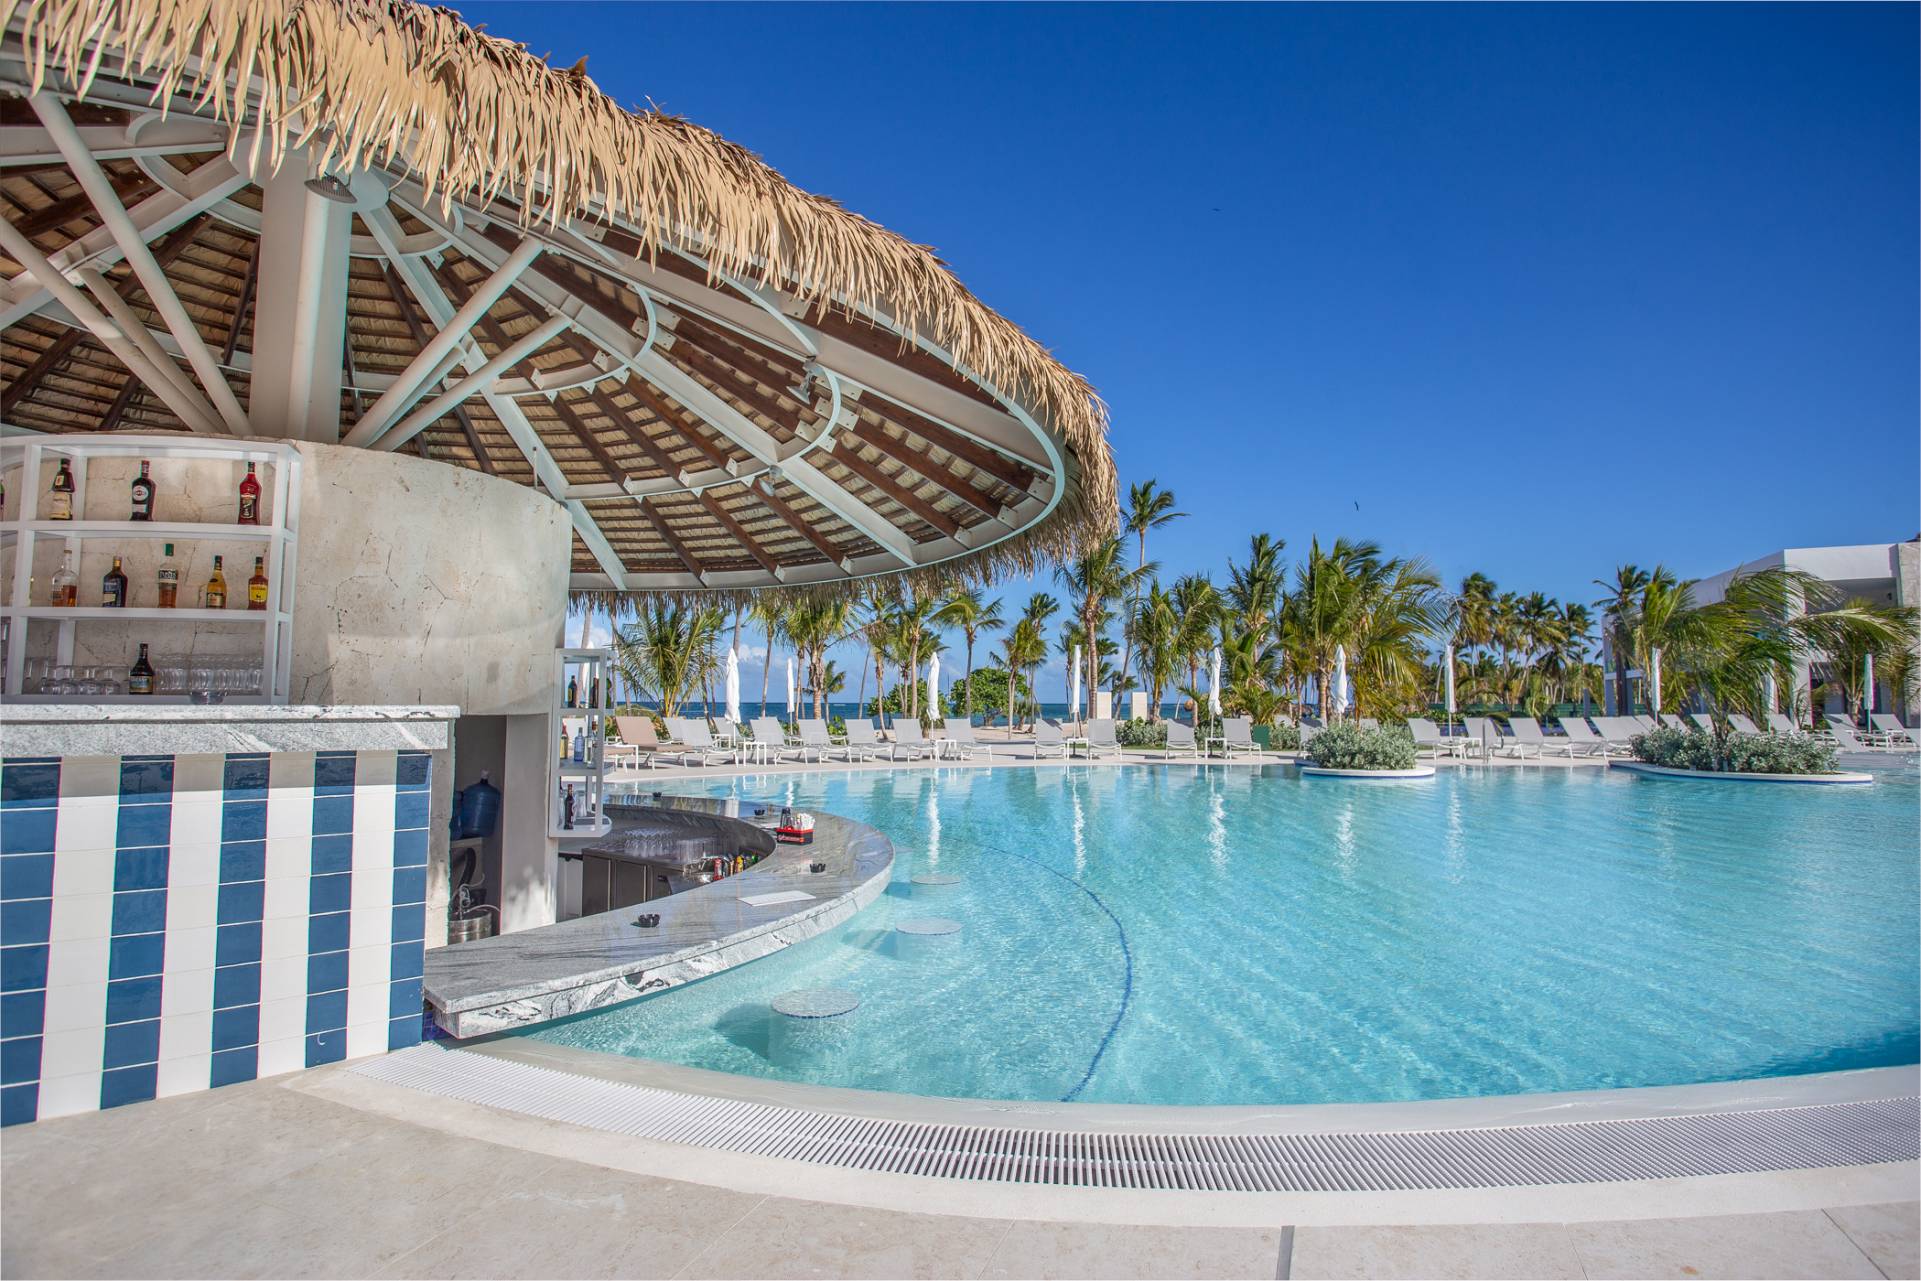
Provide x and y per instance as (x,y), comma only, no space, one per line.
(168,531)
(130,700)
(136,614)
(585,832)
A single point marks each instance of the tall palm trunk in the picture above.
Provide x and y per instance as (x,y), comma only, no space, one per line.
(766,668)
(970,677)
(1089,619)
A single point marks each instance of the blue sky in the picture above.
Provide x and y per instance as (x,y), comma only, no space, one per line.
(1532,291)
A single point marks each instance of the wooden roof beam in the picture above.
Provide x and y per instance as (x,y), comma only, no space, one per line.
(659,522)
(739,531)
(970,451)
(878,440)
(847,453)
(802,526)
(50,359)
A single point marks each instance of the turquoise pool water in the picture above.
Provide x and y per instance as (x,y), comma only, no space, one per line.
(1186,936)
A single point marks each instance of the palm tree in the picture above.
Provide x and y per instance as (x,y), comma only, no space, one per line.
(1254,590)
(1095,578)
(1024,646)
(1474,613)
(1039,609)
(914,615)
(1617,617)
(1199,607)
(667,649)
(768,611)
(1148,507)
(969,610)
(1157,625)
(814,627)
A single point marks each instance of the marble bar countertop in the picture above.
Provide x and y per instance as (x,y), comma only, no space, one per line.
(532,976)
(176,729)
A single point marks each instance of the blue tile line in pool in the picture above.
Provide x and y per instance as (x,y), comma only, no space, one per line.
(170,924)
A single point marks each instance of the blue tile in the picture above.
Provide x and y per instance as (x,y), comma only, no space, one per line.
(24,920)
(236,985)
(236,1027)
(327,972)
(410,923)
(26,876)
(23,1013)
(333,814)
(326,1047)
(130,1000)
(331,932)
(231,1067)
(403,999)
(141,869)
(333,854)
(330,893)
(128,1085)
(132,1043)
(333,772)
(20,1060)
(410,848)
(411,810)
(402,1033)
(237,944)
(242,901)
(132,956)
(140,912)
(23,968)
(144,825)
(19,1104)
(244,778)
(243,821)
(410,884)
(29,785)
(406,963)
(243,860)
(326,1011)
(149,779)
(24,831)
(414,771)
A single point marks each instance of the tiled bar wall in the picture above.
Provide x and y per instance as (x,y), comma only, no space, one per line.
(174,923)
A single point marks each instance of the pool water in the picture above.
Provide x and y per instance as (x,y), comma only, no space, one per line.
(1183,935)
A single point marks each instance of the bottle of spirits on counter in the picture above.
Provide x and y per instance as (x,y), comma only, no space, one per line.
(143,493)
(249,498)
(140,679)
(567,809)
(215,592)
(63,589)
(573,690)
(60,502)
(169,577)
(113,587)
(257,585)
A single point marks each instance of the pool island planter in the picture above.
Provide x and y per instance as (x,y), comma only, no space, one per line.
(1843,778)
(1377,775)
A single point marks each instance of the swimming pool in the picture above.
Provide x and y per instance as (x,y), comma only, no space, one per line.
(1185,935)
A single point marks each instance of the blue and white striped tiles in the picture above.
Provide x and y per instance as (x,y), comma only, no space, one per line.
(169,924)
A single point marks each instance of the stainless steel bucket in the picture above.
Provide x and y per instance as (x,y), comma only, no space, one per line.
(465,929)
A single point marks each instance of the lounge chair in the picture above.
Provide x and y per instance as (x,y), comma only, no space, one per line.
(1783,724)
(908,738)
(1619,732)
(638,740)
(1368,722)
(1528,735)
(1428,738)
(1048,740)
(769,730)
(1847,740)
(1581,737)
(697,744)
(1647,724)
(960,735)
(1743,724)
(1892,729)
(814,738)
(1237,735)
(1180,738)
(1483,735)
(1702,721)
(1100,737)
(862,742)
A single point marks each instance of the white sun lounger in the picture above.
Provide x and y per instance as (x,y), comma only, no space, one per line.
(1892,729)
(697,744)
(1743,724)
(1180,738)
(1781,723)
(1848,740)
(1237,735)
(908,738)
(1619,731)
(960,736)
(862,742)
(769,731)
(814,738)
(1581,737)
(1483,735)
(1048,740)
(1703,721)
(1100,737)
(1528,734)
(1428,738)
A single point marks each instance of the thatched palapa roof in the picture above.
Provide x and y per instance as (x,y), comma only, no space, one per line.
(763,378)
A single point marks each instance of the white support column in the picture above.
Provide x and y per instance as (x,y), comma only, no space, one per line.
(94,181)
(529,858)
(300,308)
(22,251)
(141,337)
(396,398)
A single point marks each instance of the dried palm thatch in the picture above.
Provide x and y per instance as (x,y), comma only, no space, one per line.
(478,119)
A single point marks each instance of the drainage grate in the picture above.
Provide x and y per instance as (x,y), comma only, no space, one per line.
(1793,1138)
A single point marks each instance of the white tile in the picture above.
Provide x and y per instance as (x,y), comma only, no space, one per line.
(89,776)
(282,1019)
(79,1006)
(186,1034)
(80,916)
(183,1075)
(289,857)
(190,949)
(376,769)
(282,1056)
(283,937)
(66,1095)
(76,1051)
(373,925)
(368,966)
(191,907)
(371,893)
(81,871)
(283,976)
(287,896)
(78,961)
(290,770)
(195,859)
(201,774)
(88,823)
(366,1038)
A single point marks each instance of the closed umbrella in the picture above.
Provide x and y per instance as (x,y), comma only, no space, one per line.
(933,688)
(1867,683)
(1214,683)
(733,686)
(792,707)
(1342,695)
(1654,681)
(1450,682)
(1074,687)
(1769,693)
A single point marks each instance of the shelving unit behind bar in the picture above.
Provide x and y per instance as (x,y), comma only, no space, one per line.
(277,466)
(587,712)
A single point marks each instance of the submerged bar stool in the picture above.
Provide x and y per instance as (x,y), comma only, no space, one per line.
(934,883)
(810,1024)
(921,937)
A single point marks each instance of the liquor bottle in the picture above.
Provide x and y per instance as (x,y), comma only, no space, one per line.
(140,679)
(63,589)
(567,809)
(169,577)
(60,504)
(249,498)
(113,587)
(573,690)
(257,585)
(143,493)
(580,746)
(593,699)
(215,592)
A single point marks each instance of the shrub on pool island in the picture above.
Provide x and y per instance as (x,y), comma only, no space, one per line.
(1348,746)
(1736,754)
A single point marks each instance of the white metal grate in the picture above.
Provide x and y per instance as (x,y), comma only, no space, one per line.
(1809,1137)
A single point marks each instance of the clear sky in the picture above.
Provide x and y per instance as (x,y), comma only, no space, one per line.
(1532,291)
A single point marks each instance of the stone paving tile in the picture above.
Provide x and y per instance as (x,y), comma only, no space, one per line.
(1890,1235)
(812,1239)
(1096,1250)
(1803,1243)
(1466,1250)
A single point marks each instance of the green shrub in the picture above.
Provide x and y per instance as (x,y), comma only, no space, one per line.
(1346,745)
(1738,753)
(1141,733)
(1283,738)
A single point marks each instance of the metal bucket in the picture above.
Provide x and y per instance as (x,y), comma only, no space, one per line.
(465,929)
